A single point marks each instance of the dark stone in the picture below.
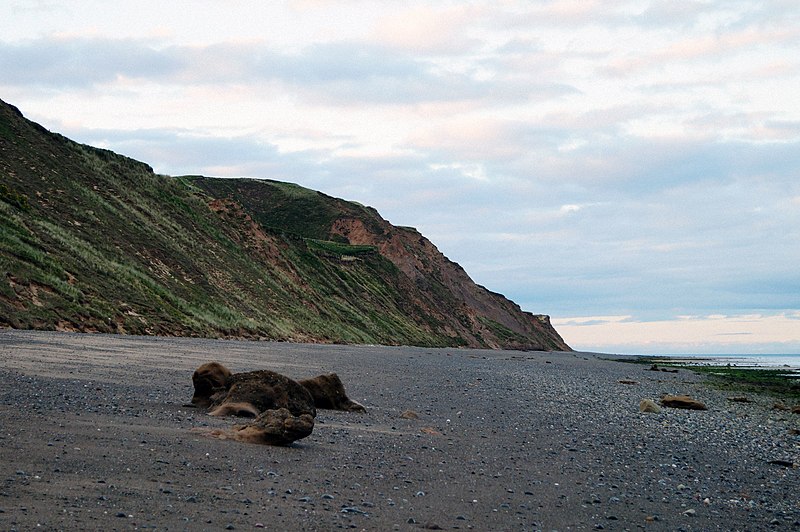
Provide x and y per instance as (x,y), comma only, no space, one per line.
(328,393)
(682,401)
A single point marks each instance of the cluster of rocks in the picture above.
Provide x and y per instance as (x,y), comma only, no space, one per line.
(283,410)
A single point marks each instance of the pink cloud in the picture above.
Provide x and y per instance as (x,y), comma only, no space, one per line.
(682,334)
(430,29)
(707,47)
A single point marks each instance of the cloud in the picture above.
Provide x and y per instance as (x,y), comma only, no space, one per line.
(593,320)
(746,126)
(677,13)
(330,73)
(430,30)
(184,152)
(566,209)
(713,334)
(81,62)
(566,13)
(706,47)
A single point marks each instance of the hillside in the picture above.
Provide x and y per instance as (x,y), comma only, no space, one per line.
(94,241)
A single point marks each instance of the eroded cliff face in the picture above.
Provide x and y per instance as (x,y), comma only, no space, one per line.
(489,319)
(427,287)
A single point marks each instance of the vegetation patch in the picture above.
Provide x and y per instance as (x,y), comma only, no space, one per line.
(502,332)
(775,382)
(339,249)
(12,197)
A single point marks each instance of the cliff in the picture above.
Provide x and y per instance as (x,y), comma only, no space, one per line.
(97,242)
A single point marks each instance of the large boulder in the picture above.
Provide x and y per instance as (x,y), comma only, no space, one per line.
(283,410)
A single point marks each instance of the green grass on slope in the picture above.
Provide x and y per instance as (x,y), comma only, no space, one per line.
(288,207)
(96,241)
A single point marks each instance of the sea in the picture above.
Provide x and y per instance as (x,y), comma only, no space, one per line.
(791,363)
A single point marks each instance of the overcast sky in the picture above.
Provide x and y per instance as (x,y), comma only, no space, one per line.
(631,168)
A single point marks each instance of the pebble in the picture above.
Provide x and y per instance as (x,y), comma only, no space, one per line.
(353,510)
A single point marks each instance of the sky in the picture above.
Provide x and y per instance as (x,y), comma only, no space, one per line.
(631,168)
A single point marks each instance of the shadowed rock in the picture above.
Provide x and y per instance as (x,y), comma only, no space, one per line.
(328,393)
(682,401)
(275,427)
(283,410)
(261,391)
(209,379)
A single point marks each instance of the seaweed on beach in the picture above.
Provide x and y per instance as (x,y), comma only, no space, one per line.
(777,382)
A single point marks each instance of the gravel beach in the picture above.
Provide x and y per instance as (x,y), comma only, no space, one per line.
(95,434)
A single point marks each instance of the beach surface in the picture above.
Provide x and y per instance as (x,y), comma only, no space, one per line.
(95,434)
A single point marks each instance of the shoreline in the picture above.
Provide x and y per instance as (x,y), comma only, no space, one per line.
(96,435)
(771,366)
(764,361)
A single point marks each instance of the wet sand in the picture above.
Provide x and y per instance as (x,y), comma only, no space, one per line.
(94,434)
